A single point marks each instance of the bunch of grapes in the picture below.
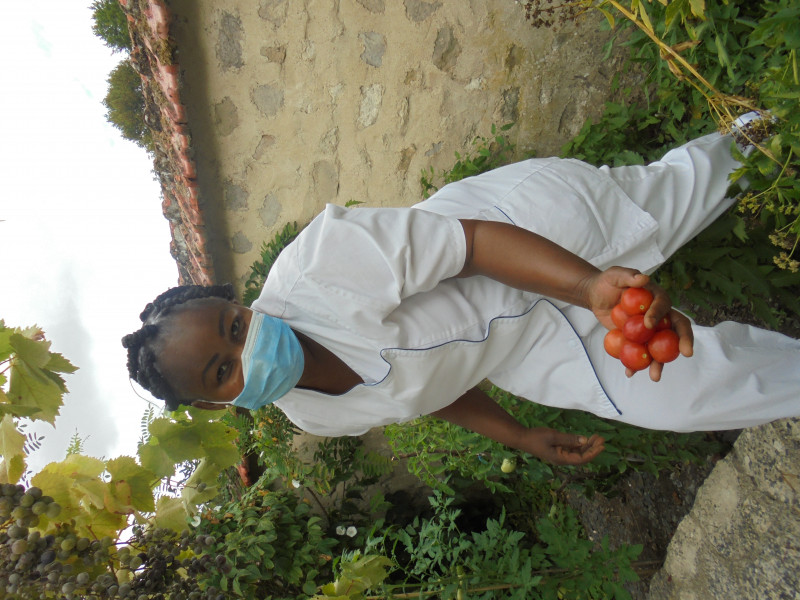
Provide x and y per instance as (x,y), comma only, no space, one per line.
(65,565)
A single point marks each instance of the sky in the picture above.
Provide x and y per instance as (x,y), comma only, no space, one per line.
(83,243)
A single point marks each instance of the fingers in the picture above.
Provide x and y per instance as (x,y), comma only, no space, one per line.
(655,370)
(683,327)
(576,449)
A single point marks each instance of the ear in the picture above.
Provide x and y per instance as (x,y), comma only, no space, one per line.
(202,404)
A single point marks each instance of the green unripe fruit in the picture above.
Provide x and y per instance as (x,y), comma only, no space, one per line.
(20,512)
(35,492)
(82,544)
(15,532)
(27,501)
(53,510)
(135,563)
(82,578)
(508,466)
(19,547)
(6,506)
(39,508)
(68,588)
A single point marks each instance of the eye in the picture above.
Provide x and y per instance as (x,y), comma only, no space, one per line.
(222,371)
(236,327)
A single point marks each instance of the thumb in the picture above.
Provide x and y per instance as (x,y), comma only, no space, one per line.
(568,440)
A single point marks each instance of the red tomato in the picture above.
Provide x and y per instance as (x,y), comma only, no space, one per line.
(636,301)
(635,331)
(635,356)
(664,346)
(619,316)
(613,342)
(664,323)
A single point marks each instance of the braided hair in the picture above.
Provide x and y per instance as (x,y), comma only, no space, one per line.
(141,356)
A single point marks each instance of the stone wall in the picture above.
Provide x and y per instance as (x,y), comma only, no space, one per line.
(292,105)
(741,539)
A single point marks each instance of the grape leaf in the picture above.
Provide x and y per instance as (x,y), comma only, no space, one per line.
(12,443)
(59,364)
(31,387)
(206,472)
(153,458)
(15,410)
(171,514)
(33,352)
(141,481)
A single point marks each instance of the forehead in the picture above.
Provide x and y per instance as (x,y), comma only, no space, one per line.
(189,335)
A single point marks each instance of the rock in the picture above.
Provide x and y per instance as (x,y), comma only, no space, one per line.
(374,47)
(740,538)
(371,98)
(226,116)
(230,36)
(268,99)
(240,243)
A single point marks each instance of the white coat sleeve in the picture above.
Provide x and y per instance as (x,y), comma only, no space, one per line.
(376,257)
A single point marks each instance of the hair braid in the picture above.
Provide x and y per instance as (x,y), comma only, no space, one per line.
(141,356)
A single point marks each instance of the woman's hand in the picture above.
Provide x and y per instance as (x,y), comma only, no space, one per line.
(603,292)
(561,448)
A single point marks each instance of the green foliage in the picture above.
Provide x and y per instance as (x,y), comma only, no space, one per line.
(434,556)
(276,547)
(76,444)
(442,454)
(260,269)
(746,49)
(487,154)
(125,104)
(111,25)
(340,469)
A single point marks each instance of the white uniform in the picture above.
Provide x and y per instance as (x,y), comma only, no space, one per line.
(376,287)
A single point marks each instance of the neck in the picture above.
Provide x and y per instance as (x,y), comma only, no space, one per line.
(324,371)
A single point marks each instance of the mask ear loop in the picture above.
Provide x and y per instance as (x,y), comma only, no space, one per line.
(148,400)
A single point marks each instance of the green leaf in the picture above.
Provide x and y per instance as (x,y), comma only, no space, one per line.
(12,443)
(698,8)
(60,364)
(30,387)
(34,352)
(124,469)
(16,410)
(154,459)
(171,514)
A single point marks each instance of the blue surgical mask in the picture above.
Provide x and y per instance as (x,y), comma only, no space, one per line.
(272,362)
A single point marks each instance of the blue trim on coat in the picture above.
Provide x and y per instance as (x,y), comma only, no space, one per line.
(488,328)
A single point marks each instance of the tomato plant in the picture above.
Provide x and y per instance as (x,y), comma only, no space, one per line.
(635,356)
(635,330)
(636,301)
(613,342)
(664,346)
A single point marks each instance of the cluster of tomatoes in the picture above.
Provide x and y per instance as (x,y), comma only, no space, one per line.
(634,344)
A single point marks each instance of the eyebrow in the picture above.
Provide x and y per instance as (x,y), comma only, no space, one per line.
(216,356)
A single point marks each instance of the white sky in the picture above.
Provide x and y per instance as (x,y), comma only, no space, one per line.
(83,243)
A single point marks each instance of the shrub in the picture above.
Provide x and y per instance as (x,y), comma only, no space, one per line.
(126,105)
(111,25)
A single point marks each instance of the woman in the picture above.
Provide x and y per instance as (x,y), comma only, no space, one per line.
(373,316)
